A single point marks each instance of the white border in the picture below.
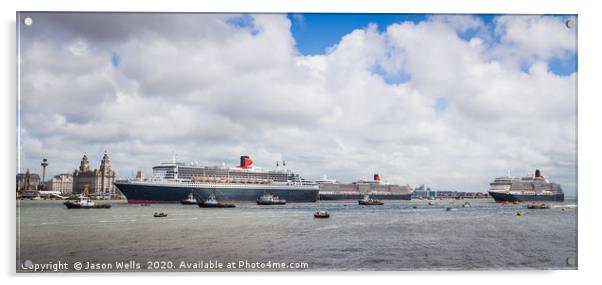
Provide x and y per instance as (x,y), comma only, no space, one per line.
(589,129)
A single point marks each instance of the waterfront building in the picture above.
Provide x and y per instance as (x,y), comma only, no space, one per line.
(445,194)
(97,181)
(62,183)
(27,181)
(423,192)
(140,175)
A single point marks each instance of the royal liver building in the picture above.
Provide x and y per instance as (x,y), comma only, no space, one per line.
(97,181)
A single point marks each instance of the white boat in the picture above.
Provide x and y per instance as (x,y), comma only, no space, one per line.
(190,200)
(321,213)
(269,199)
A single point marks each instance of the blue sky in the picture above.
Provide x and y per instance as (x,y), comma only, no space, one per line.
(315,32)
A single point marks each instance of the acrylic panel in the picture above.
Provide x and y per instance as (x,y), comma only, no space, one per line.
(160,142)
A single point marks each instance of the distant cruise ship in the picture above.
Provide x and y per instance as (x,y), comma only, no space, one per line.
(529,188)
(330,189)
(175,181)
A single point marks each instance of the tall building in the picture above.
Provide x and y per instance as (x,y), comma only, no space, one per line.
(140,175)
(95,181)
(27,181)
(62,183)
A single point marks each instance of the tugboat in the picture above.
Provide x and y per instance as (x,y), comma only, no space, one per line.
(466,205)
(369,202)
(84,202)
(213,203)
(269,199)
(538,206)
(160,215)
(190,200)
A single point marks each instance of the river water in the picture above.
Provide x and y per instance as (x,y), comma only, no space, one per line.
(400,235)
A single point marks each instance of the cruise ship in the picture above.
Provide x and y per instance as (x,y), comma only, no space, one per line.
(330,189)
(175,181)
(526,189)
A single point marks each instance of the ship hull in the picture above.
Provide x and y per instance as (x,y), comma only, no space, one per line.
(219,205)
(370,203)
(327,197)
(507,197)
(78,206)
(271,203)
(138,193)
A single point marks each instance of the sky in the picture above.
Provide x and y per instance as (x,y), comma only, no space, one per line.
(450,101)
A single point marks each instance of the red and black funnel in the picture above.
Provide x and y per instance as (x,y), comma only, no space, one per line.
(376,177)
(245,162)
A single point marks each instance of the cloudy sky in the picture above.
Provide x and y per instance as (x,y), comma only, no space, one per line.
(450,101)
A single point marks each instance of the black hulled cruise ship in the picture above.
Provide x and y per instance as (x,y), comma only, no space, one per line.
(175,181)
(526,189)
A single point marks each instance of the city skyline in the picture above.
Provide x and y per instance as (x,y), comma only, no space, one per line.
(447,101)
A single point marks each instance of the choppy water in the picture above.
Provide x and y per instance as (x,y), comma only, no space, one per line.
(395,236)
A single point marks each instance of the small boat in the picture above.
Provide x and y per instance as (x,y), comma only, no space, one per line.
(84,202)
(213,203)
(269,199)
(538,206)
(321,214)
(466,205)
(449,208)
(190,200)
(369,202)
(160,215)
(520,213)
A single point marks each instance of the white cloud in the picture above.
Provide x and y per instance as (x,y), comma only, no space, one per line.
(230,89)
(533,38)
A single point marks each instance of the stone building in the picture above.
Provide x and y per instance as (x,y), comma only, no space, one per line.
(140,175)
(62,183)
(97,181)
(27,181)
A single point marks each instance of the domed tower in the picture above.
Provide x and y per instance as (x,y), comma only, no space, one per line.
(107,175)
(80,174)
(84,165)
(105,164)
